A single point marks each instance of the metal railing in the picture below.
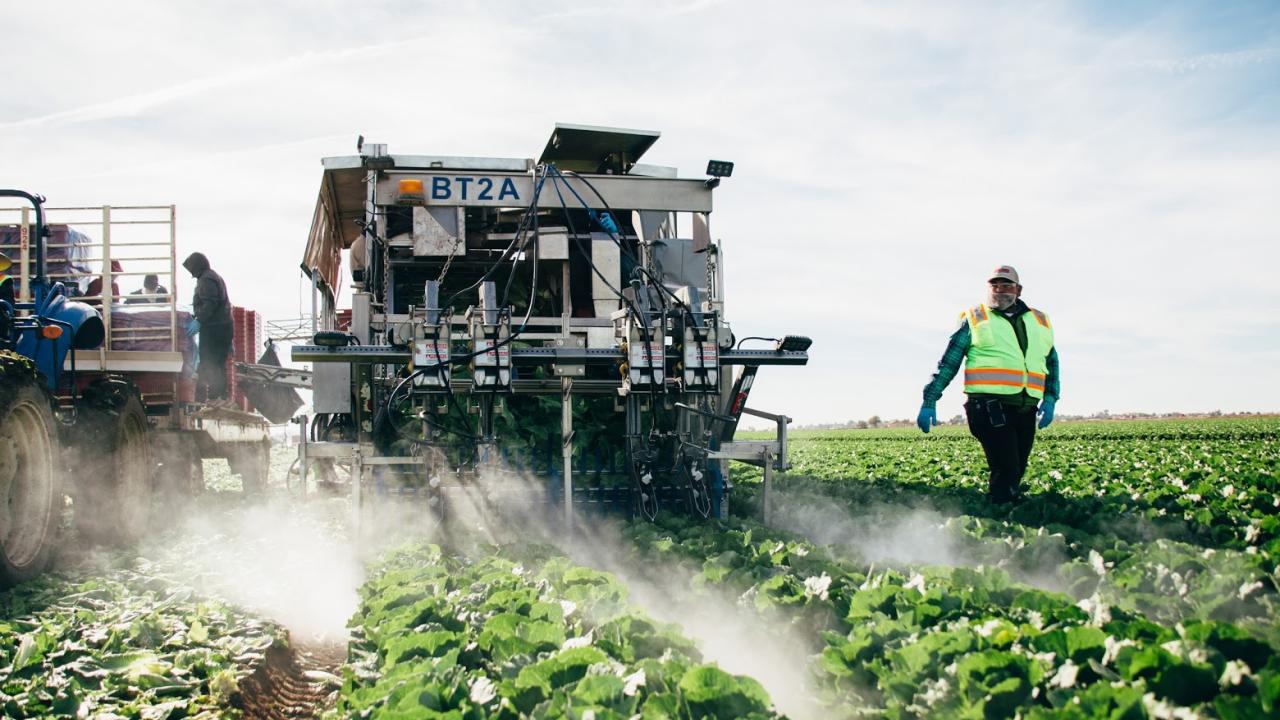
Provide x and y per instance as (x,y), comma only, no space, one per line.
(140,240)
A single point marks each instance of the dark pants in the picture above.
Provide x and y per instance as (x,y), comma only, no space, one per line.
(1007,434)
(215,346)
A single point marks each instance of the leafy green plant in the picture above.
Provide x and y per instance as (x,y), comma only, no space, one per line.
(522,632)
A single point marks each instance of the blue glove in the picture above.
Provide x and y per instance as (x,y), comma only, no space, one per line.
(606,221)
(928,416)
(193,327)
(1046,412)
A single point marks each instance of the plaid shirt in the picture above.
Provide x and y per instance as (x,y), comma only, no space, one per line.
(954,356)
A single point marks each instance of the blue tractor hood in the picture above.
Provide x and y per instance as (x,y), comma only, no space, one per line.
(82,329)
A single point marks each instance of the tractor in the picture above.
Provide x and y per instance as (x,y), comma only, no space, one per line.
(97,401)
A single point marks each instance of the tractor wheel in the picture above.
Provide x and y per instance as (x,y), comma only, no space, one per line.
(31,499)
(116,472)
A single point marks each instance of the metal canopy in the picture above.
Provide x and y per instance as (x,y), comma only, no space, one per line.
(344,183)
(584,148)
(580,148)
(346,190)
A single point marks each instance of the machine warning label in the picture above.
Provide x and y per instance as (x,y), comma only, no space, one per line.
(488,356)
(641,359)
(705,358)
(429,353)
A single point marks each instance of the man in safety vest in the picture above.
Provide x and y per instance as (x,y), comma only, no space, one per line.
(1011,367)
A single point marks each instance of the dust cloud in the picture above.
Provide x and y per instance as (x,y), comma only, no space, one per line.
(736,638)
(902,536)
(285,559)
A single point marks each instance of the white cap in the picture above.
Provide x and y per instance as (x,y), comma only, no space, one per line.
(1005,272)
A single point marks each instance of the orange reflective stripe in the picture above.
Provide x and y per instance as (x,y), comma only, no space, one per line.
(1040,318)
(1040,376)
(992,371)
(1001,383)
(1001,377)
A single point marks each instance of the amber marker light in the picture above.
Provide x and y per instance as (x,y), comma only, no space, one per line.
(51,332)
(410,191)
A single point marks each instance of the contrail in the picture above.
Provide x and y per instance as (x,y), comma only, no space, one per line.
(1214,61)
(136,104)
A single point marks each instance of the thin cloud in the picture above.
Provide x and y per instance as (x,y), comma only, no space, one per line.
(1213,61)
(140,103)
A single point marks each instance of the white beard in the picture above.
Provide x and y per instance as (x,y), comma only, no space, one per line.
(1001,301)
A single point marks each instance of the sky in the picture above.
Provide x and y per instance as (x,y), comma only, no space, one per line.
(1124,157)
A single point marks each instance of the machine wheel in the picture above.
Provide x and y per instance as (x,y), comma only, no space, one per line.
(252,462)
(115,469)
(31,498)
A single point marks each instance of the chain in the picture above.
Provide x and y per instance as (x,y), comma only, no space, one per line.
(457,241)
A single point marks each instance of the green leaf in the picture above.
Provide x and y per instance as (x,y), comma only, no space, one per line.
(866,604)
(665,706)
(536,682)
(1233,642)
(1084,643)
(429,644)
(1143,662)
(1235,707)
(1186,683)
(122,661)
(508,634)
(28,653)
(713,692)
(599,689)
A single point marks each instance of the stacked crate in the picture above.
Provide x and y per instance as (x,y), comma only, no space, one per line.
(246,338)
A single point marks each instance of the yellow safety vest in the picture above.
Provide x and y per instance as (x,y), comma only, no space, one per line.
(996,364)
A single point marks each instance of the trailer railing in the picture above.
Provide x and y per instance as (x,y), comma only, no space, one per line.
(124,242)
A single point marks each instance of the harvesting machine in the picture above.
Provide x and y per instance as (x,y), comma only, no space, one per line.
(97,401)
(548,333)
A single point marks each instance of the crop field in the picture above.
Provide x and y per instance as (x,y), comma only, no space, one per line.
(1138,579)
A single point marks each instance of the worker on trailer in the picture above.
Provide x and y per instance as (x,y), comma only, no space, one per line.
(150,286)
(212,309)
(1011,366)
(94,291)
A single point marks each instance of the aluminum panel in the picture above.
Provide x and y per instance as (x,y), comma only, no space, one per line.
(438,232)
(332,388)
(607,258)
(494,189)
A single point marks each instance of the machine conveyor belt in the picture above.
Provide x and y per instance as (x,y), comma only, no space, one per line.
(535,356)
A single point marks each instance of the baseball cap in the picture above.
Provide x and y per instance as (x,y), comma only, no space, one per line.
(1005,272)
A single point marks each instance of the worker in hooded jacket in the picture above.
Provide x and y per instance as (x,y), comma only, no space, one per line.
(1010,377)
(212,309)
